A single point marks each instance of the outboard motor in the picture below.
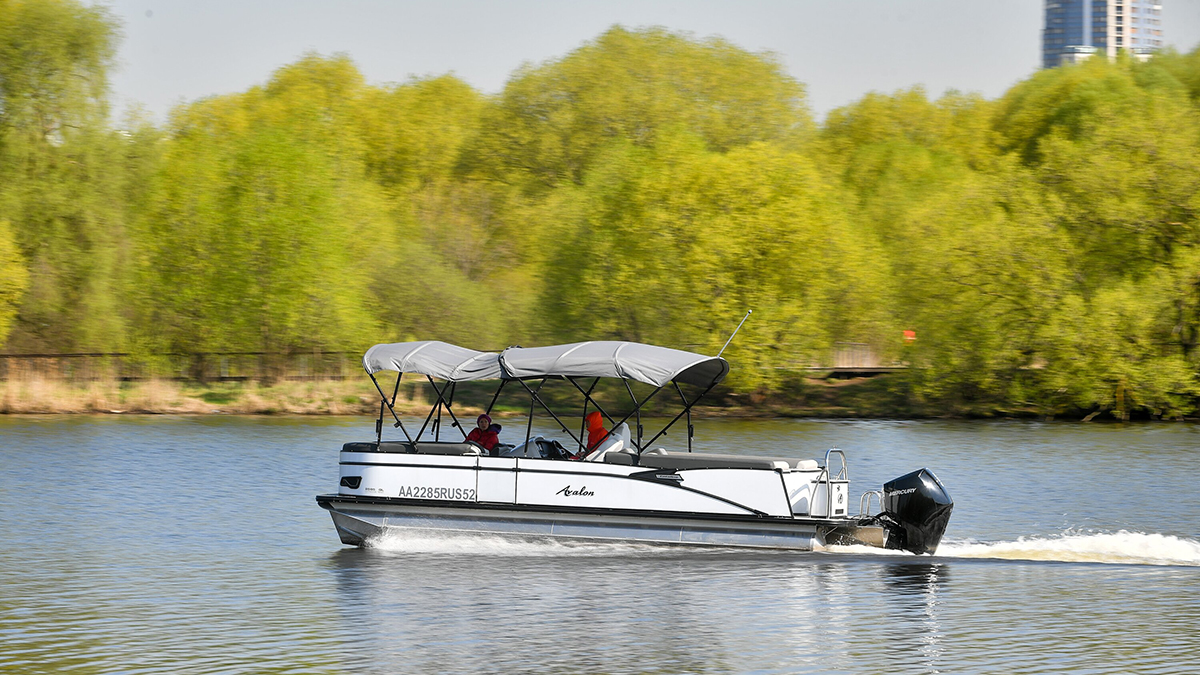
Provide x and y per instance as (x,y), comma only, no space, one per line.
(916,510)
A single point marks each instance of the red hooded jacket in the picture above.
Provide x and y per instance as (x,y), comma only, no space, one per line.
(484,437)
(595,429)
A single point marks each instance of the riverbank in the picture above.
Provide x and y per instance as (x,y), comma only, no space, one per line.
(320,397)
(876,397)
(356,397)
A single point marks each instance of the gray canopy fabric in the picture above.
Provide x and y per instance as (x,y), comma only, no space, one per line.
(629,360)
(436,359)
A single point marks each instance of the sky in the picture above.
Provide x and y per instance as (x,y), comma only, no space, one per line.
(175,51)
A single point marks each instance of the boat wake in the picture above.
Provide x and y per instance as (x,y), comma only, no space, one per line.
(1122,547)
(435,543)
(1119,548)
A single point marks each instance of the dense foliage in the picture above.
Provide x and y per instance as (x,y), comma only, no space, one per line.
(1044,247)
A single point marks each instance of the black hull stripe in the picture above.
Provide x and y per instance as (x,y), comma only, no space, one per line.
(329,501)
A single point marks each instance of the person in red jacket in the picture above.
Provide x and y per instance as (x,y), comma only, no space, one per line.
(483,435)
(596,431)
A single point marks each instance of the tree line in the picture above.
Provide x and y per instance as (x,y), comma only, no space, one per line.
(1043,247)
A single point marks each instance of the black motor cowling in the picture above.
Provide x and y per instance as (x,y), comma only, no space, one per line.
(916,509)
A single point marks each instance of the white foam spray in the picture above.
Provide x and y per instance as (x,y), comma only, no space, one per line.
(457,544)
(1123,548)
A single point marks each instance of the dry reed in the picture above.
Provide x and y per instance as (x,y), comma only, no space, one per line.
(35,394)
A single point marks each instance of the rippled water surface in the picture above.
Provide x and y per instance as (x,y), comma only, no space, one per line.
(193,545)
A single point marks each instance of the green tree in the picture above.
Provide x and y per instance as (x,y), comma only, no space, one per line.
(551,120)
(14,278)
(60,179)
(263,232)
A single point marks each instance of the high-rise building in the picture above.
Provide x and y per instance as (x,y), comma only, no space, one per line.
(1078,29)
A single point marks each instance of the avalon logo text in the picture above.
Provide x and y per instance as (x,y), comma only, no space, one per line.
(581,492)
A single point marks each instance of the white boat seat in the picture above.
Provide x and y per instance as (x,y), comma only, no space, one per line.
(625,458)
(465,448)
(386,446)
(617,440)
(423,447)
(704,460)
(622,458)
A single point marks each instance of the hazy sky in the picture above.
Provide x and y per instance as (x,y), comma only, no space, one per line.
(180,50)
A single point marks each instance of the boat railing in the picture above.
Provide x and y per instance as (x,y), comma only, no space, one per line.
(864,502)
(827,477)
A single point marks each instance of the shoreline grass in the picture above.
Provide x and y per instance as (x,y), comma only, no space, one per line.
(867,398)
(315,397)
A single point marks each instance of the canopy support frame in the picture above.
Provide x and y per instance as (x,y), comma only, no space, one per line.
(637,411)
(529,424)
(390,407)
(533,397)
(687,409)
(437,407)
(691,431)
(494,397)
(587,396)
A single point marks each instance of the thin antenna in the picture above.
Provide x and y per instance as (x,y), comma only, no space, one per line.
(735,332)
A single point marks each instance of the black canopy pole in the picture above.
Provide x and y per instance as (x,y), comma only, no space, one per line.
(436,408)
(449,406)
(383,396)
(588,395)
(437,423)
(582,425)
(533,395)
(636,410)
(397,389)
(495,396)
(379,424)
(450,409)
(529,426)
(686,410)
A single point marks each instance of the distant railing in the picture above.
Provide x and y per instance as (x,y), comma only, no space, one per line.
(855,359)
(199,367)
(854,355)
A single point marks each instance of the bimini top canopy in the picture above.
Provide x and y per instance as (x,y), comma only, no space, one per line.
(435,359)
(628,360)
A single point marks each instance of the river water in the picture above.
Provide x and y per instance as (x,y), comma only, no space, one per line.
(193,545)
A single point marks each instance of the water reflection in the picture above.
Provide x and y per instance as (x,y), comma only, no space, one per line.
(914,621)
(167,545)
(693,611)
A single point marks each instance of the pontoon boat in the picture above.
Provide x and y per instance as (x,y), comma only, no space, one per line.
(623,489)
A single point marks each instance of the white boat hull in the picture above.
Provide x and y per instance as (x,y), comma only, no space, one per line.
(358,521)
(383,492)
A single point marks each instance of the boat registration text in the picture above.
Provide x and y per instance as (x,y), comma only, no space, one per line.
(424,492)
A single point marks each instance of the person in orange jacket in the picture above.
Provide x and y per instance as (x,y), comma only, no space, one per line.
(483,434)
(595,430)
